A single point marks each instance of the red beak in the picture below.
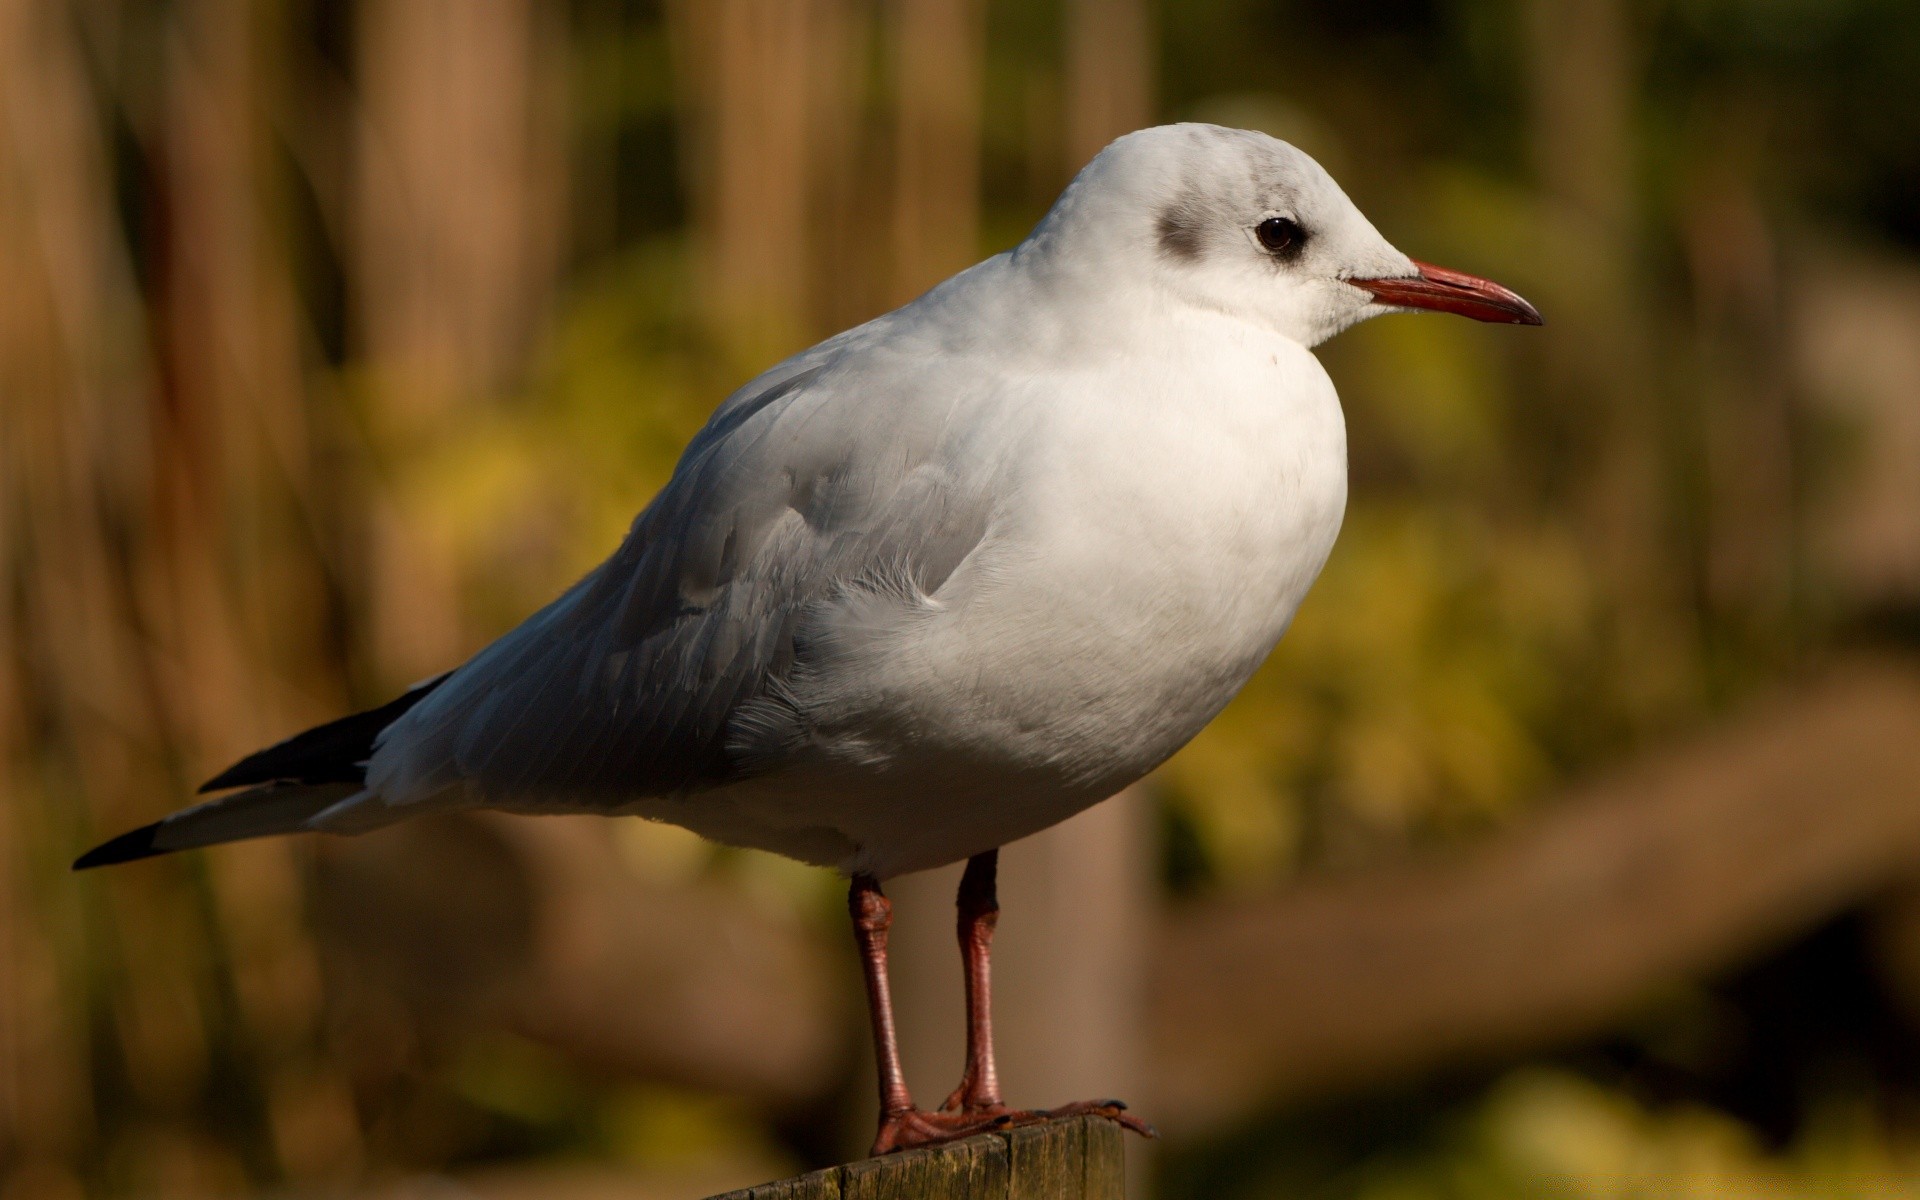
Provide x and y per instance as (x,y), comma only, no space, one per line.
(1453,291)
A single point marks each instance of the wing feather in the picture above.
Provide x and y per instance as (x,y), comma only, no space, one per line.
(636,681)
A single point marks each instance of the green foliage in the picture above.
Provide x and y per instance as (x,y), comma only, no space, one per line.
(1541,1133)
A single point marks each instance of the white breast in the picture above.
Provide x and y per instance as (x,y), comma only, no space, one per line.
(1179,514)
(1170,514)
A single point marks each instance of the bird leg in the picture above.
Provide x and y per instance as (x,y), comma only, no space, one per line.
(901,1124)
(872,916)
(977,908)
(975,1105)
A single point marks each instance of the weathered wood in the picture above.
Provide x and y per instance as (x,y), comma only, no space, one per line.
(1039,1156)
(816,1185)
(1079,1158)
(970,1170)
(1047,1159)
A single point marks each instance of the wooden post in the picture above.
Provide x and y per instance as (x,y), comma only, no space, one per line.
(1080,1158)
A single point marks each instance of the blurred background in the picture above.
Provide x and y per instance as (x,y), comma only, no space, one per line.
(1570,844)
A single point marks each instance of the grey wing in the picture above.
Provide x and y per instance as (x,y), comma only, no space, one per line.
(630,684)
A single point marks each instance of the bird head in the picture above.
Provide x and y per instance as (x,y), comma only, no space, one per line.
(1242,223)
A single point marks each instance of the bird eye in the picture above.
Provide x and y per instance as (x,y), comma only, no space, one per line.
(1278,234)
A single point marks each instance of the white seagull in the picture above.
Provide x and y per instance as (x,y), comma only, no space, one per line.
(938,582)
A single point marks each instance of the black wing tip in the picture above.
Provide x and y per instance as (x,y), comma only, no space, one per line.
(232,777)
(260,767)
(127,847)
(335,752)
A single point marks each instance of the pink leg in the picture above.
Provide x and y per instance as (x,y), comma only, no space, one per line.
(975,1105)
(977,908)
(978,912)
(872,917)
(901,1124)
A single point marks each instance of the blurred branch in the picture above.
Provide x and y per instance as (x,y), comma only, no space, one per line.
(539,926)
(764,86)
(230,568)
(72,469)
(1669,870)
(154,468)
(1110,84)
(1853,343)
(1615,473)
(461,180)
(461,192)
(939,59)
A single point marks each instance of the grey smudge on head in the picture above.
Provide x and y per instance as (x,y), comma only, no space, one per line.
(1182,235)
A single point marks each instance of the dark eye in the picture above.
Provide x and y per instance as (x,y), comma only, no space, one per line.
(1279,235)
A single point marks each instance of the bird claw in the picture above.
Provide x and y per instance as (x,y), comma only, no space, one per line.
(918,1127)
(1112,1110)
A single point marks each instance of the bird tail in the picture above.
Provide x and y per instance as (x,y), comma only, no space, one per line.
(257,812)
(288,785)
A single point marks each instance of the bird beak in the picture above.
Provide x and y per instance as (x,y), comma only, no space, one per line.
(1452,291)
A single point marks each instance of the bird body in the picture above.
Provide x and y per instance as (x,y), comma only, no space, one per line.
(1024,537)
(931,723)
(941,581)
(930,586)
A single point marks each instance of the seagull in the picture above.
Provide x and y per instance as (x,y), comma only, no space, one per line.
(939,582)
